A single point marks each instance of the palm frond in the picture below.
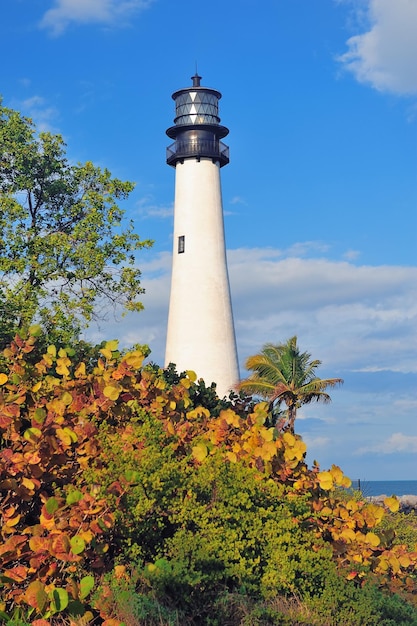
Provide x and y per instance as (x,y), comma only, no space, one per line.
(283,374)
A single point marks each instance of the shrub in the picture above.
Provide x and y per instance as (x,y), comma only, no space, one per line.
(106,465)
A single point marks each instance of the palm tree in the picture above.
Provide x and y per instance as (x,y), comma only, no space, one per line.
(283,374)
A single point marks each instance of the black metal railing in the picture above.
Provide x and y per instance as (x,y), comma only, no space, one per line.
(200,148)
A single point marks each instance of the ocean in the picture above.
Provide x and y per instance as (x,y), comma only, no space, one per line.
(386,487)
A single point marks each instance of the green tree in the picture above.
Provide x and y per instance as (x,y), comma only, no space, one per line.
(64,254)
(284,375)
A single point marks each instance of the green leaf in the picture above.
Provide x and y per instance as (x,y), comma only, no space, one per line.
(59,600)
(77,544)
(51,505)
(132,476)
(73,497)
(32,434)
(35,330)
(39,415)
(76,608)
(86,585)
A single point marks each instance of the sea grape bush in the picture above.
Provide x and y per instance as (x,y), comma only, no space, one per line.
(115,471)
(54,535)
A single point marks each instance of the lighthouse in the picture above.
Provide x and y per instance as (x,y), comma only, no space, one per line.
(201,334)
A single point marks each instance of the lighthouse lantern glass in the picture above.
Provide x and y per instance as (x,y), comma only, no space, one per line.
(196,107)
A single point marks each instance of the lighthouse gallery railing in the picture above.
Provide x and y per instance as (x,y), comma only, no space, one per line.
(201,148)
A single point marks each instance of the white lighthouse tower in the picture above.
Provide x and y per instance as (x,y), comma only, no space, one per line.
(201,334)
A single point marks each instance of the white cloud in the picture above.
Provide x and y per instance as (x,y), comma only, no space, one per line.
(106,12)
(351,255)
(385,55)
(42,114)
(316,442)
(397,442)
(237,200)
(147,208)
(350,317)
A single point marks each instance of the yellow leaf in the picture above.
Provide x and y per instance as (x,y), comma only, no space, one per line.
(199,411)
(289,439)
(134,359)
(106,353)
(326,511)
(62,353)
(269,450)
(87,535)
(266,433)
(112,345)
(80,371)
(66,398)
(337,474)
(392,504)
(348,534)
(373,514)
(13,520)
(170,427)
(37,386)
(346,482)
(200,452)
(326,480)
(191,375)
(395,564)
(3,379)
(66,435)
(120,571)
(29,484)
(352,505)
(112,391)
(52,351)
(61,368)
(230,417)
(404,560)
(383,564)
(373,539)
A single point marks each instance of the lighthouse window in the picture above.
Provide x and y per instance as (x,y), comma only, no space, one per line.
(181,244)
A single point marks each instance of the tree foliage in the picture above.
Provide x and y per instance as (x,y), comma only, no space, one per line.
(64,255)
(285,376)
(114,481)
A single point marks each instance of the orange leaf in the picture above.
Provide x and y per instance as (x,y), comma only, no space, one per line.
(11,544)
(36,595)
(18,573)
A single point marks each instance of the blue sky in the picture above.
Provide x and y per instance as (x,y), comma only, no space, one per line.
(320,195)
